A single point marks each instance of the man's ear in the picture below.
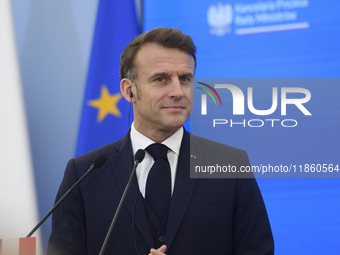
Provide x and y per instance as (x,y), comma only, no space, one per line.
(128,90)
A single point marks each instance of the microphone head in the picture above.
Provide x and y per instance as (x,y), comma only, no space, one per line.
(140,155)
(99,161)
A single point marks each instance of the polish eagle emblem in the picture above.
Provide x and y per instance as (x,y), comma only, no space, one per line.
(219,17)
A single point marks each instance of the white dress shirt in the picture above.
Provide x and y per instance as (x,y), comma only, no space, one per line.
(140,141)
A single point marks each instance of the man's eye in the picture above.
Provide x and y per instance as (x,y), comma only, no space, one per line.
(185,79)
(160,79)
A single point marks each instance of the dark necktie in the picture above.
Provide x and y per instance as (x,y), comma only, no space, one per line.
(158,184)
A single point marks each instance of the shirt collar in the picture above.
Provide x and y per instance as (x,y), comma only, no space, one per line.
(140,141)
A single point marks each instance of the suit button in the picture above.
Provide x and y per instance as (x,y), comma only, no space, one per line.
(161,239)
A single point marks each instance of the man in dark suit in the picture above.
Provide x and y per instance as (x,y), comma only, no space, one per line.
(190,216)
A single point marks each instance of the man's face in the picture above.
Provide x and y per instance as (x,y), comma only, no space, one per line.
(165,79)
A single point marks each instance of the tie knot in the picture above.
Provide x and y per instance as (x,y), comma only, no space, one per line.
(157,150)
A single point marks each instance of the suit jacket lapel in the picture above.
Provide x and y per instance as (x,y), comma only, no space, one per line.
(184,187)
(122,169)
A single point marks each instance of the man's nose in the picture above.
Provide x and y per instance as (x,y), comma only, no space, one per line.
(176,90)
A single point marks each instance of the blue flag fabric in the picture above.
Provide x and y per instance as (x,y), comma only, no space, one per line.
(105,112)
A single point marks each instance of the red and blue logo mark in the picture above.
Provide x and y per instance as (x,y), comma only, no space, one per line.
(209,93)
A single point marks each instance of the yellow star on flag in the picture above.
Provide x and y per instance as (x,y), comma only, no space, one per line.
(106,104)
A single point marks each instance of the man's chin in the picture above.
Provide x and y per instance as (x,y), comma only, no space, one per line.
(174,122)
(176,125)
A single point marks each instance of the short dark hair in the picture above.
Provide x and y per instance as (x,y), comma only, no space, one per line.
(166,37)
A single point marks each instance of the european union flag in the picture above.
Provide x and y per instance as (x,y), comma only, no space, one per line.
(105,112)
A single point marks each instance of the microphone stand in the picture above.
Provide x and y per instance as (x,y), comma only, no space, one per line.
(137,161)
(97,162)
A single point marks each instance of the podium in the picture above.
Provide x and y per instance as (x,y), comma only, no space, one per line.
(18,246)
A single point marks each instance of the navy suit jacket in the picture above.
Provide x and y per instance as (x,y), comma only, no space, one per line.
(206,216)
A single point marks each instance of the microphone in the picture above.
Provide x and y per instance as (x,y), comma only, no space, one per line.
(139,156)
(96,163)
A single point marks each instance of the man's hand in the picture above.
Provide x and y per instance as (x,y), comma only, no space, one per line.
(160,251)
